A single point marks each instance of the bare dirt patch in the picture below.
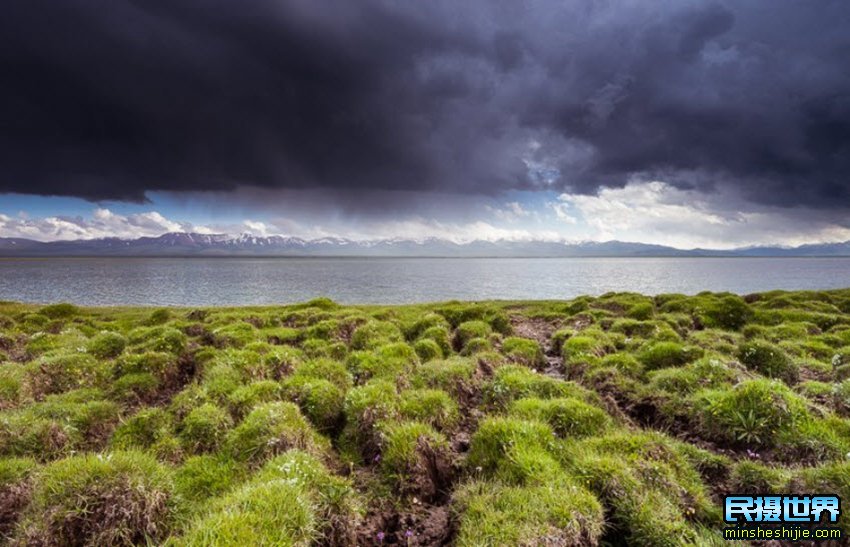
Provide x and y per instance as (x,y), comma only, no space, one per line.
(534,328)
(416,525)
(541,330)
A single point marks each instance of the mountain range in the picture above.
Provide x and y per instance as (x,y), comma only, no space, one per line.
(193,244)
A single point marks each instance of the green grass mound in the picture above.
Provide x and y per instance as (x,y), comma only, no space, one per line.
(755,478)
(397,358)
(529,464)
(440,336)
(293,500)
(205,428)
(582,349)
(758,413)
(364,408)
(472,330)
(556,514)
(524,352)
(13,387)
(163,366)
(455,376)
(666,354)
(496,436)
(143,429)
(56,427)
(273,513)
(65,372)
(243,399)
(325,369)
(475,346)
(568,417)
(60,311)
(415,458)
(164,339)
(651,491)
(320,400)
(138,388)
(335,502)
(15,492)
(432,406)
(321,349)
(118,498)
(705,373)
(375,334)
(729,312)
(641,311)
(618,419)
(200,479)
(428,350)
(107,345)
(768,360)
(512,382)
(270,429)
(428,320)
(236,335)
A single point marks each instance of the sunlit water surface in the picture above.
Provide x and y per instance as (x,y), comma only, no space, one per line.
(245,281)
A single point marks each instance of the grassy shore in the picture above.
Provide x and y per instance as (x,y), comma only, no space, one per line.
(620,420)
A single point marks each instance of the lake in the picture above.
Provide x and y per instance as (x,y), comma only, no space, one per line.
(246,281)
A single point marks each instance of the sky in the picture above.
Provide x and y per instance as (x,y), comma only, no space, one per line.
(691,123)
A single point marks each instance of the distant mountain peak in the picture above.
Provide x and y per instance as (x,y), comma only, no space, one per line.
(247,244)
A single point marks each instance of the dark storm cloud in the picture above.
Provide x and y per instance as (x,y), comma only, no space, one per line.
(110,99)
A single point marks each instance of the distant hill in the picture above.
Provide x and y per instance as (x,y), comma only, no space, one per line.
(191,244)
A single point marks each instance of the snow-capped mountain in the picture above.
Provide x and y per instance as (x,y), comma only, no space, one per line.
(193,244)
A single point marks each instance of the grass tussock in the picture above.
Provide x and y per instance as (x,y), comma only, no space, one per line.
(618,419)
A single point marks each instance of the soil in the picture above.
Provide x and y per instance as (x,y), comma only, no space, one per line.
(540,330)
(13,498)
(417,525)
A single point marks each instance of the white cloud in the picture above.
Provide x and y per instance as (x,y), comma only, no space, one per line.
(656,212)
(419,228)
(459,233)
(106,223)
(562,212)
(511,211)
(102,223)
(516,208)
(649,212)
(257,228)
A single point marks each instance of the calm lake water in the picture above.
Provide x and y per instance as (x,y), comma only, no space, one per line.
(244,281)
